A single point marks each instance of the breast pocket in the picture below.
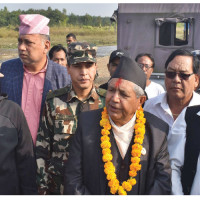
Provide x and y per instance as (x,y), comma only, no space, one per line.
(64,128)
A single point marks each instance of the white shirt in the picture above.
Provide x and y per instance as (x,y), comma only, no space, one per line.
(154,89)
(123,134)
(176,138)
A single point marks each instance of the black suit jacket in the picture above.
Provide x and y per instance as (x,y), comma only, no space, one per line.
(192,148)
(84,170)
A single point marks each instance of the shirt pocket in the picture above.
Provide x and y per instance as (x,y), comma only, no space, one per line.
(64,128)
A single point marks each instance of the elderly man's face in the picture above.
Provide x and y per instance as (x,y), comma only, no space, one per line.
(177,87)
(121,101)
(32,49)
(60,57)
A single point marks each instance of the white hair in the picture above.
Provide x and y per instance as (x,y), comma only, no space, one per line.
(138,90)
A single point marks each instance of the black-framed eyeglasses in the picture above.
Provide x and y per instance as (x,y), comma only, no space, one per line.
(144,65)
(181,75)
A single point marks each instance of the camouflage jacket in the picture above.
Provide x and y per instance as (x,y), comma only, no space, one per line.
(58,124)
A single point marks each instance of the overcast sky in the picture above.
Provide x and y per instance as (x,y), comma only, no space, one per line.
(80,7)
(94,9)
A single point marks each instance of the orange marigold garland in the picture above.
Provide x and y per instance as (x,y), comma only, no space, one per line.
(135,165)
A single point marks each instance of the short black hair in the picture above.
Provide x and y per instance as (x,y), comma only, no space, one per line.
(147,55)
(71,35)
(57,48)
(184,52)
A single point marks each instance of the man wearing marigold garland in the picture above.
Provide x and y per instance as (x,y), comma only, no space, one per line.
(120,150)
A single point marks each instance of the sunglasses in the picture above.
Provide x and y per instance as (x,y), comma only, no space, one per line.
(181,75)
(144,65)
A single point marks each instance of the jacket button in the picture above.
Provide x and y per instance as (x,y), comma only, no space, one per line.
(122,166)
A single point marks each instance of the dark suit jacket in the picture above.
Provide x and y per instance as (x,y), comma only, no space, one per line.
(192,148)
(17,160)
(12,82)
(84,170)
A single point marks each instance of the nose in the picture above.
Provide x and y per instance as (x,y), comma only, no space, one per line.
(115,97)
(83,70)
(144,68)
(21,46)
(177,78)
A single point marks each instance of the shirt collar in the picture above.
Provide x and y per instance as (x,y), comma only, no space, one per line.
(41,71)
(93,95)
(163,101)
(195,99)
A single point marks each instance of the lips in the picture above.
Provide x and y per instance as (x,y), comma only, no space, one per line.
(22,55)
(113,108)
(84,80)
(176,88)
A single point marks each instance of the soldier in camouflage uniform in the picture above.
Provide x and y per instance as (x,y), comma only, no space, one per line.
(59,119)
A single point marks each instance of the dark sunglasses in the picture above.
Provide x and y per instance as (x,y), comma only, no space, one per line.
(181,75)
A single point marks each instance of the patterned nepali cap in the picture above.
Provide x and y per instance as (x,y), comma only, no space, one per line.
(81,52)
(33,24)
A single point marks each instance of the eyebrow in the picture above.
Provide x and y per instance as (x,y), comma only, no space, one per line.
(25,40)
(120,90)
(170,68)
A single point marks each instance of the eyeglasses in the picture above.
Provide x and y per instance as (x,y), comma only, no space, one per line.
(181,75)
(144,65)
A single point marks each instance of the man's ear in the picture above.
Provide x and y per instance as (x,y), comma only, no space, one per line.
(96,73)
(196,84)
(68,69)
(108,66)
(96,65)
(47,46)
(142,100)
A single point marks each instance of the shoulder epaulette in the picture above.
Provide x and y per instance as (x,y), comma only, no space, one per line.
(101,92)
(51,94)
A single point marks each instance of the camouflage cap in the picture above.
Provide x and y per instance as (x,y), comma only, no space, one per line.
(81,52)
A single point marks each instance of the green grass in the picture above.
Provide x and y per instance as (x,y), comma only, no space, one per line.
(8,38)
(98,35)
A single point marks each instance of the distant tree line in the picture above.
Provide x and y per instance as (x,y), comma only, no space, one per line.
(56,18)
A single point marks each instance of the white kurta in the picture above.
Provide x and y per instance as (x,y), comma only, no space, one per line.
(176,138)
